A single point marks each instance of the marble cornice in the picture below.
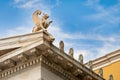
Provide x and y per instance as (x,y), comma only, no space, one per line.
(77,64)
(54,58)
(50,64)
(23,40)
(57,69)
(106,60)
(40,59)
(20,50)
(19,67)
(57,59)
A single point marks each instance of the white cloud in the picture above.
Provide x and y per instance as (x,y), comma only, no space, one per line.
(16,1)
(58,32)
(95,5)
(17,31)
(108,17)
(36,4)
(109,44)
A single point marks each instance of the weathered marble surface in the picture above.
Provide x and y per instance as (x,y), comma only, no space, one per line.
(37,45)
(48,75)
(33,73)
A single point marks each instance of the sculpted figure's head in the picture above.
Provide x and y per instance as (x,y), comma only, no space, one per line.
(45,16)
(38,12)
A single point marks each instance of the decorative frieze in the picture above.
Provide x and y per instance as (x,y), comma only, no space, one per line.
(0,70)
(76,64)
(35,51)
(62,64)
(77,72)
(71,52)
(34,61)
(68,65)
(87,77)
(19,67)
(80,59)
(23,57)
(10,63)
(61,46)
(58,69)
(48,52)
(60,58)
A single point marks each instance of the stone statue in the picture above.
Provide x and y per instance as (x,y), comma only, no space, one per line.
(40,23)
(71,52)
(111,77)
(80,59)
(61,45)
(90,65)
(100,72)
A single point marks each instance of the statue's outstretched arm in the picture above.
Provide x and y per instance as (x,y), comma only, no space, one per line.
(41,25)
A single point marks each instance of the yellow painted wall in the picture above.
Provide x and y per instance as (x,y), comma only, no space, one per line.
(113,69)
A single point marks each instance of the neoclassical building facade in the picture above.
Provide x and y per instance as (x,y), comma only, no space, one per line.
(34,57)
(110,64)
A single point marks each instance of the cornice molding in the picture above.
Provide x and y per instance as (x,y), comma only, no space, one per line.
(19,67)
(76,63)
(106,60)
(23,40)
(41,59)
(43,46)
(57,69)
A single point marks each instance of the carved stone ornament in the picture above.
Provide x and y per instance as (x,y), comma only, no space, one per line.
(0,69)
(100,72)
(80,59)
(40,23)
(77,72)
(90,65)
(35,51)
(23,57)
(9,63)
(71,52)
(87,77)
(51,38)
(61,46)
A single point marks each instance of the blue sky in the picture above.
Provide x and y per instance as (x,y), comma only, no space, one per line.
(91,27)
